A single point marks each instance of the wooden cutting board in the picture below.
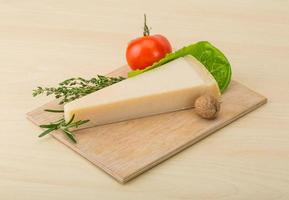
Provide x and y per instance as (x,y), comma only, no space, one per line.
(127,149)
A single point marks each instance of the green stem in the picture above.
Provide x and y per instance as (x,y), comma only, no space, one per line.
(55,111)
(146,31)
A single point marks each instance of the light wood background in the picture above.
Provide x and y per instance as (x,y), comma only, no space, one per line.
(44,42)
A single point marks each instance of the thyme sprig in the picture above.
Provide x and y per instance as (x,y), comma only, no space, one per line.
(75,88)
(70,90)
(62,125)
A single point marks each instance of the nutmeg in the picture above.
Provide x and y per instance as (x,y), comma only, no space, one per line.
(207,106)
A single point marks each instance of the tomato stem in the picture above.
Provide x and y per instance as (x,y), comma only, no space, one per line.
(146,30)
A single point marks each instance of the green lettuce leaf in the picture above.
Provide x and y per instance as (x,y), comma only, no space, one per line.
(211,57)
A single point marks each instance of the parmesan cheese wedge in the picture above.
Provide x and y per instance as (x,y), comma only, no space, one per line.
(171,87)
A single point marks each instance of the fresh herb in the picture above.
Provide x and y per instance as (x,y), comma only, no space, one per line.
(211,57)
(62,125)
(75,88)
(70,90)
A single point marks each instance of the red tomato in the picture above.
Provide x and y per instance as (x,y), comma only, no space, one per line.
(144,51)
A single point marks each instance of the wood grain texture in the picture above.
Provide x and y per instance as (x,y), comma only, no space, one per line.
(129,148)
(44,42)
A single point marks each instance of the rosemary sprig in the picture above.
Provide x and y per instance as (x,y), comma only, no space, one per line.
(62,125)
(70,90)
(75,88)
